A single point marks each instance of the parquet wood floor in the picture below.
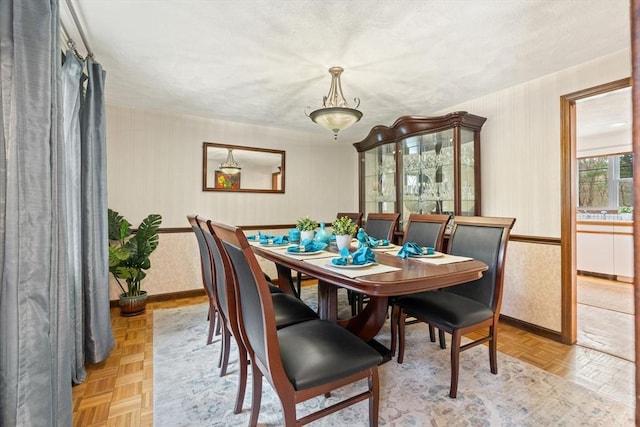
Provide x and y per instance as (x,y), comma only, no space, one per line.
(119,391)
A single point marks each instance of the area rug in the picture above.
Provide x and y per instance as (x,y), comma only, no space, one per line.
(188,390)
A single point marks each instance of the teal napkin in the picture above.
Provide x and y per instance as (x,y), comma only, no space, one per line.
(363,238)
(413,249)
(307,245)
(374,243)
(361,256)
(278,240)
(259,236)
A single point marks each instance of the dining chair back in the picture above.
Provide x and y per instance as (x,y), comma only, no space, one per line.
(226,307)
(207,279)
(288,309)
(484,239)
(468,307)
(300,361)
(426,230)
(381,225)
(354,216)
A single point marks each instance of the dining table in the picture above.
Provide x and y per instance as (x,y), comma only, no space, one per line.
(388,277)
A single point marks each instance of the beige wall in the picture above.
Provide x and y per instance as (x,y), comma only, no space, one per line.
(154,164)
(520,178)
(521,168)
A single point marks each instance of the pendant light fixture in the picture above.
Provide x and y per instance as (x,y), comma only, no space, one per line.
(336,114)
(230,166)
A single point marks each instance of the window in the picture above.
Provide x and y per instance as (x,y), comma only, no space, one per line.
(605,182)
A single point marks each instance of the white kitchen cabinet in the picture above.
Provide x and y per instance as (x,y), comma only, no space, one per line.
(623,259)
(605,247)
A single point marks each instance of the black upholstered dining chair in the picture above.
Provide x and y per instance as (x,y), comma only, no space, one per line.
(207,279)
(288,309)
(381,225)
(300,361)
(425,230)
(464,308)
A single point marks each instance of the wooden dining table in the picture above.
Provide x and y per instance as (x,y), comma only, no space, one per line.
(398,277)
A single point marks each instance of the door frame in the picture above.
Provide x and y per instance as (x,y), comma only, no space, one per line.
(568,204)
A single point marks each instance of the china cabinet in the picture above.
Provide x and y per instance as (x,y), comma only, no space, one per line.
(422,165)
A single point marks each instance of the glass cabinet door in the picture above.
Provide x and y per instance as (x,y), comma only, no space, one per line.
(379,186)
(468,173)
(428,180)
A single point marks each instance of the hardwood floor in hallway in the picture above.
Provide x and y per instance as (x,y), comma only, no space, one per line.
(606,316)
(119,391)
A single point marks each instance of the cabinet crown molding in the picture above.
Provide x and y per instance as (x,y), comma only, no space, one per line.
(406,126)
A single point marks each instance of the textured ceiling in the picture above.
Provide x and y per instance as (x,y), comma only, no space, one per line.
(265,61)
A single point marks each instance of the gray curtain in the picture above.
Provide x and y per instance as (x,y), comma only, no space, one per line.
(95,255)
(54,301)
(35,341)
(71,94)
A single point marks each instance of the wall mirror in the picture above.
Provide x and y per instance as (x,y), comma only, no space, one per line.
(235,168)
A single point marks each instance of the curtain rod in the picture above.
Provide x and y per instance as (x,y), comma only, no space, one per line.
(76,21)
(69,42)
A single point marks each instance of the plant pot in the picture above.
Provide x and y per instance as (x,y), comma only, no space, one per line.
(343,241)
(306,234)
(133,306)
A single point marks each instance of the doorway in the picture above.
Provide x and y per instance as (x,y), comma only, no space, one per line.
(570,202)
(604,240)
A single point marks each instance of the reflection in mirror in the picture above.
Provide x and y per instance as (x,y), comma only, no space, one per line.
(242,169)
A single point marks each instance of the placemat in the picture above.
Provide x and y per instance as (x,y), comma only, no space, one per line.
(444,259)
(321,254)
(352,272)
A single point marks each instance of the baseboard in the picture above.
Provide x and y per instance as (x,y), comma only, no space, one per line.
(530,327)
(168,296)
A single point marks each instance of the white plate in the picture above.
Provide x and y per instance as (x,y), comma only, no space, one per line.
(351,265)
(273,245)
(304,253)
(433,255)
(377,248)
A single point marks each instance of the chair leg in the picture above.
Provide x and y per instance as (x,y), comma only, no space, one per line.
(218,324)
(395,312)
(289,412)
(455,362)
(493,349)
(432,333)
(242,377)
(443,342)
(402,318)
(256,397)
(299,284)
(374,400)
(351,296)
(220,357)
(224,354)
(212,324)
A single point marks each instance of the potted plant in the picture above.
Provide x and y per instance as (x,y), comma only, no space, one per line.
(306,226)
(129,258)
(344,228)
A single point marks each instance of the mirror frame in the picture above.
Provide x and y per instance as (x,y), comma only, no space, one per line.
(207,145)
